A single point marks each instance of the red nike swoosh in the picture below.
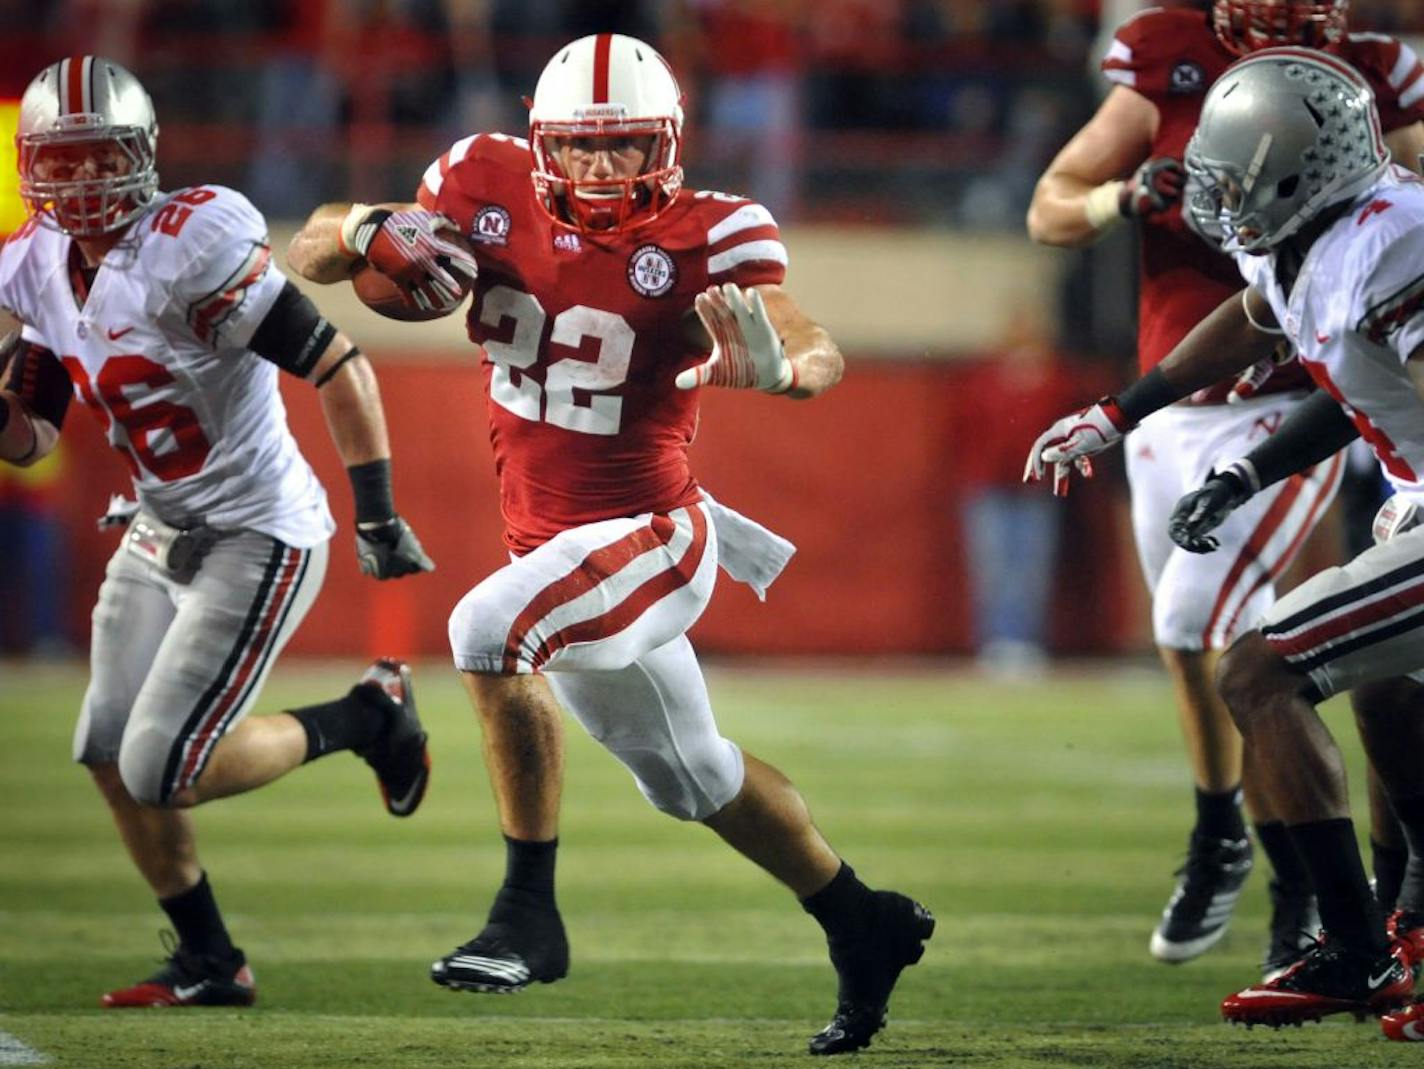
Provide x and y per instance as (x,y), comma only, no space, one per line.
(115,335)
(1321,338)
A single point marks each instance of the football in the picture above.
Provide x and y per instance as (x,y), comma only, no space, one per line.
(382,295)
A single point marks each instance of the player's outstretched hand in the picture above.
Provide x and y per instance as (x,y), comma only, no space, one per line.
(1071,441)
(1205,509)
(747,353)
(1153,188)
(389,550)
(415,248)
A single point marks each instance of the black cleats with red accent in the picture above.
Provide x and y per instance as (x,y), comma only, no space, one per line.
(1330,979)
(867,968)
(398,756)
(522,943)
(189,979)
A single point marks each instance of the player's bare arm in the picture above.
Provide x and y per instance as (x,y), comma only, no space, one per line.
(315,251)
(1406,145)
(351,403)
(1076,199)
(1239,333)
(812,351)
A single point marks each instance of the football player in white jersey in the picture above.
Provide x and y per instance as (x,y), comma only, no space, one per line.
(163,313)
(1330,239)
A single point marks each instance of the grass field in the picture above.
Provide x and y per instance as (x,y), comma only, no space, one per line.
(1040,822)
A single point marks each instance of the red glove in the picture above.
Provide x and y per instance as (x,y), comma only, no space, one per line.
(1153,188)
(413,248)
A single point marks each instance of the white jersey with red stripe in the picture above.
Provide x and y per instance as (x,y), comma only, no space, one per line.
(157,348)
(1355,314)
(583,334)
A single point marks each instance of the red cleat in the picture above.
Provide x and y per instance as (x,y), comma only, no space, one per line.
(1406,1026)
(1330,979)
(188,979)
(1407,927)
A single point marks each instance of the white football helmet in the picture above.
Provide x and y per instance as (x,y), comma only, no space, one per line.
(1245,26)
(1283,134)
(87,100)
(607,86)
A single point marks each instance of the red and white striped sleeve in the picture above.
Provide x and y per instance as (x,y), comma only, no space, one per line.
(744,246)
(434,179)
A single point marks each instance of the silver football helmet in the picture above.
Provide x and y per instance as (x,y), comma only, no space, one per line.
(1283,134)
(93,102)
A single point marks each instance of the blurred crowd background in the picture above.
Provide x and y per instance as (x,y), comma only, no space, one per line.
(916,119)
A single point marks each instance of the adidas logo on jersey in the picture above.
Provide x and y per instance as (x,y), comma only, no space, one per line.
(565,242)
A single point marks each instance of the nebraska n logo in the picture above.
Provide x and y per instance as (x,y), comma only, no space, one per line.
(1390,314)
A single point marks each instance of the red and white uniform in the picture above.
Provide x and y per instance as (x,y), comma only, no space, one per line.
(1356,315)
(1171,57)
(582,337)
(615,546)
(157,349)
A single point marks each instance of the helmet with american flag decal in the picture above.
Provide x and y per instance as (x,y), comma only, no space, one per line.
(603,90)
(87,102)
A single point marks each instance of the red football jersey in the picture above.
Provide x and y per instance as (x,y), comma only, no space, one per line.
(582,336)
(1172,57)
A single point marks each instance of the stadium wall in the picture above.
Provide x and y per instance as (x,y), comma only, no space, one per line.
(867,481)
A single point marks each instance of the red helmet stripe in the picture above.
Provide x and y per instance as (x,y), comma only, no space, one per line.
(72,75)
(602,47)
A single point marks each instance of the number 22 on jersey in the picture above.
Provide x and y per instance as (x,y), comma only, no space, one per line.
(554,400)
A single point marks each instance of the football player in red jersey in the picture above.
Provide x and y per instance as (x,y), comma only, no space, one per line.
(596,282)
(1124,165)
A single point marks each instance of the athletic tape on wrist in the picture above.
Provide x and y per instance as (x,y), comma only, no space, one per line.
(1103,206)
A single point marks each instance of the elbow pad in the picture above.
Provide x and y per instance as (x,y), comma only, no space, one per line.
(294,334)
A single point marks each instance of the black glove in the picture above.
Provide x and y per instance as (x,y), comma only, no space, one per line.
(389,550)
(1205,509)
(1153,188)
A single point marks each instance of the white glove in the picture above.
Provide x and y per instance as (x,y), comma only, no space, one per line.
(1072,440)
(746,350)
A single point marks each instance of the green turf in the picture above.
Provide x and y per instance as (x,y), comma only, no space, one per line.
(1040,822)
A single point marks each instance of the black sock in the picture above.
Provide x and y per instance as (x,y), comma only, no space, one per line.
(841,906)
(345,724)
(1347,908)
(1389,863)
(1219,814)
(1291,873)
(1410,812)
(529,869)
(196,919)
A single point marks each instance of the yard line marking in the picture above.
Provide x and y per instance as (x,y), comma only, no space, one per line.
(14,1052)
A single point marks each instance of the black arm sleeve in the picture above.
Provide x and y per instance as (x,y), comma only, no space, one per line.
(293,335)
(1315,431)
(36,375)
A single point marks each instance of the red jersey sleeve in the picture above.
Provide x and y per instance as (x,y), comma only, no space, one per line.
(503,149)
(1393,70)
(743,243)
(1164,52)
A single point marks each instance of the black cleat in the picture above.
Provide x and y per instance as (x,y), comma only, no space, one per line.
(189,979)
(518,946)
(1295,926)
(398,756)
(1197,914)
(867,969)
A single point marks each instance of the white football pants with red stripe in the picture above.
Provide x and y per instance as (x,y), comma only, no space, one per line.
(603,609)
(1203,601)
(173,667)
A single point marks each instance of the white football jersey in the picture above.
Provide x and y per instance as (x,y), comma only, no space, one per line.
(1356,313)
(158,349)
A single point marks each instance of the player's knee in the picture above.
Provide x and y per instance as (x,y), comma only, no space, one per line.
(1251,677)
(692,785)
(474,640)
(1178,623)
(141,764)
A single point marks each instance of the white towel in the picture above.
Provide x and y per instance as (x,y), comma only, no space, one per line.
(747,551)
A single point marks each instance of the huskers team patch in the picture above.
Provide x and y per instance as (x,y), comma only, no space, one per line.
(491,226)
(651,271)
